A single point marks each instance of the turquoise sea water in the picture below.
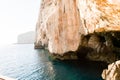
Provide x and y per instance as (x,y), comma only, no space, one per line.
(23,62)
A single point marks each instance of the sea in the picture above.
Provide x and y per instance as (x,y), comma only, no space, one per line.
(23,62)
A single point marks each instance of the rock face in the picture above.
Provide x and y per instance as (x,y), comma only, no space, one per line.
(100,15)
(58,26)
(113,71)
(69,25)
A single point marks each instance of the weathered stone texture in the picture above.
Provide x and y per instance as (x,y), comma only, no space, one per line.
(100,15)
(62,23)
(113,72)
(58,26)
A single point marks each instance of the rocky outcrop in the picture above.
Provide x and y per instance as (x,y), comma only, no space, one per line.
(58,26)
(73,29)
(113,71)
(83,27)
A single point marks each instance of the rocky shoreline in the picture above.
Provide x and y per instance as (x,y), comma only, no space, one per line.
(76,29)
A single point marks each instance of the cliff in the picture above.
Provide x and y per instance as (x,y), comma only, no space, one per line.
(80,27)
(58,26)
(75,29)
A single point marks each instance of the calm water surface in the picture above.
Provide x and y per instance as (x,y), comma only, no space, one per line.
(23,62)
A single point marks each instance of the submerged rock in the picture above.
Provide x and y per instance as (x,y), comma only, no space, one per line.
(113,72)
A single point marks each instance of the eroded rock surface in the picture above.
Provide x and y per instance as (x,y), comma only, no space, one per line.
(62,22)
(58,26)
(84,27)
(100,15)
(113,72)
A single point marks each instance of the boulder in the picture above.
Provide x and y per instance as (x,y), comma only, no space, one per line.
(113,71)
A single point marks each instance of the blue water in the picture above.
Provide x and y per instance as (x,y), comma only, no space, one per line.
(23,62)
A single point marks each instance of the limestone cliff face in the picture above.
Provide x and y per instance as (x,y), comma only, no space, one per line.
(63,23)
(100,15)
(58,26)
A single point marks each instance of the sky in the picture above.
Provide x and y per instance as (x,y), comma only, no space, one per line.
(17,17)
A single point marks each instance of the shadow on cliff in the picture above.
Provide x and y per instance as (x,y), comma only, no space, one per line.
(79,70)
(72,69)
(26,38)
